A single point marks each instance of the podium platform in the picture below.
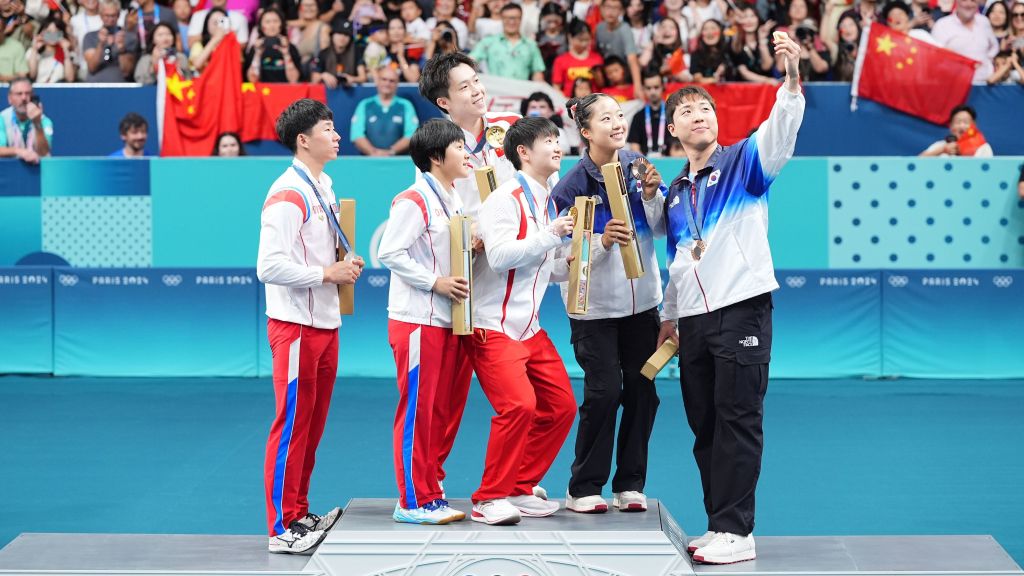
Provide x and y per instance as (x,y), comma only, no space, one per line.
(367,542)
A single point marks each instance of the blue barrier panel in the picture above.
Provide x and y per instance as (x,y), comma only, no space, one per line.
(827,324)
(26,320)
(953,324)
(155,322)
(18,178)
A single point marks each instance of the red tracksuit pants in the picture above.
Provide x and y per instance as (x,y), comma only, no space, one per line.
(425,358)
(451,411)
(305,366)
(526,384)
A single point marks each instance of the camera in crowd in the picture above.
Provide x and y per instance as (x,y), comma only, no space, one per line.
(448,36)
(805,34)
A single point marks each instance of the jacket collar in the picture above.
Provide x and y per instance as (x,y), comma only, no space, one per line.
(594,171)
(684,175)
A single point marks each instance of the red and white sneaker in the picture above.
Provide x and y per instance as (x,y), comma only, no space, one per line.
(532,506)
(630,501)
(700,541)
(587,504)
(497,512)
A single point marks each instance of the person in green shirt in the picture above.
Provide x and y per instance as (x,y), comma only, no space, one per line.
(508,54)
(12,57)
(24,131)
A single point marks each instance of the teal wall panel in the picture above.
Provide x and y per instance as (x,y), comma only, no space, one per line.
(798,215)
(21,227)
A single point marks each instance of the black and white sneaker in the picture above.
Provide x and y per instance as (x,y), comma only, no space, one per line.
(325,522)
(298,539)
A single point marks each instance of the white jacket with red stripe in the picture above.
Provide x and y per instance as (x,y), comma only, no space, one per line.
(296,243)
(522,255)
(416,247)
(486,156)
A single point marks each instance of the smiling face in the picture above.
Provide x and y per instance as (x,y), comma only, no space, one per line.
(308,10)
(899,20)
(135,138)
(228,146)
(961,122)
(1017,18)
(510,21)
(396,30)
(966,10)
(163,37)
(544,157)
(997,16)
(466,93)
(749,20)
(848,30)
(711,33)
(444,9)
(695,123)
(606,129)
(667,32)
(797,11)
(455,163)
(580,43)
(321,143)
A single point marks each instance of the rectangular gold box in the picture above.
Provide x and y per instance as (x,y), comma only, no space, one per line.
(462,265)
(347,220)
(486,181)
(618,200)
(578,296)
(659,359)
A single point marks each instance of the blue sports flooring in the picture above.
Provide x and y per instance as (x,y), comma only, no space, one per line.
(842,457)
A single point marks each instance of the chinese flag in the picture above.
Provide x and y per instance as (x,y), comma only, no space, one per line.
(741,107)
(263,103)
(969,142)
(911,76)
(195,112)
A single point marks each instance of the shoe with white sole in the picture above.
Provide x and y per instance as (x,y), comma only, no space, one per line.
(533,507)
(497,512)
(726,548)
(540,492)
(436,512)
(297,539)
(630,501)
(700,541)
(587,504)
(325,522)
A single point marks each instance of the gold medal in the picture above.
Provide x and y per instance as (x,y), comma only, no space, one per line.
(574,213)
(698,250)
(639,167)
(495,136)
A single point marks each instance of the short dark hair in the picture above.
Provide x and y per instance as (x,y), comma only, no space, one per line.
(300,118)
(651,72)
(581,109)
(963,108)
(535,97)
(689,92)
(221,136)
(525,132)
(895,5)
(511,6)
(434,78)
(616,59)
(431,140)
(622,3)
(577,27)
(132,121)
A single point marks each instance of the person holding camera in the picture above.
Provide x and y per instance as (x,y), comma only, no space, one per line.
(25,132)
(445,40)
(111,52)
(271,58)
(215,28)
(845,51)
(445,11)
(161,51)
(51,57)
(814,56)
(961,119)
(199,25)
(339,64)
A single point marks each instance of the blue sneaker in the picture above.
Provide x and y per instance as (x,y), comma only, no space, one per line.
(436,512)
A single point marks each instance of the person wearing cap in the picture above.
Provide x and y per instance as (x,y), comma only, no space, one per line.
(376,52)
(339,63)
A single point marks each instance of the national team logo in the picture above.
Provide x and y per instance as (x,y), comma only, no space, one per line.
(171,280)
(378,280)
(67,280)
(713,179)
(796,281)
(898,281)
(1002,281)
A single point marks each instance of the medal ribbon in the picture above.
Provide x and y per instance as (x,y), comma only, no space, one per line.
(694,215)
(532,204)
(330,213)
(430,182)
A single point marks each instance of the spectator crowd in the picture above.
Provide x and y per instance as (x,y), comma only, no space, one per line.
(630,49)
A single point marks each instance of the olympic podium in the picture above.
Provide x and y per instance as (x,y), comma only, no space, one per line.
(366,542)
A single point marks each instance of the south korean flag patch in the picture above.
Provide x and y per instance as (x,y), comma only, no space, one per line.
(713,179)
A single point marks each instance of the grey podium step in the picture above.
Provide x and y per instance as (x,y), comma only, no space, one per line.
(367,542)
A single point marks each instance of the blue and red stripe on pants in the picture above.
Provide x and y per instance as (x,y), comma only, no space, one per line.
(305,367)
(421,418)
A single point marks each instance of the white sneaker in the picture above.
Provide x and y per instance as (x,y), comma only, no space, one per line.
(436,512)
(630,501)
(532,506)
(540,492)
(700,541)
(726,548)
(325,522)
(296,540)
(586,505)
(497,512)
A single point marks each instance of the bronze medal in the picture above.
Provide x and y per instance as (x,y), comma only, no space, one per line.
(698,250)
(495,136)
(639,168)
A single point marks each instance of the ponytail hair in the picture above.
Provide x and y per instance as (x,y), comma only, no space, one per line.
(581,109)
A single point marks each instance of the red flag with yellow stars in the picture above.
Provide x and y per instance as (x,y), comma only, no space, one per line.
(263,103)
(910,75)
(969,142)
(195,112)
